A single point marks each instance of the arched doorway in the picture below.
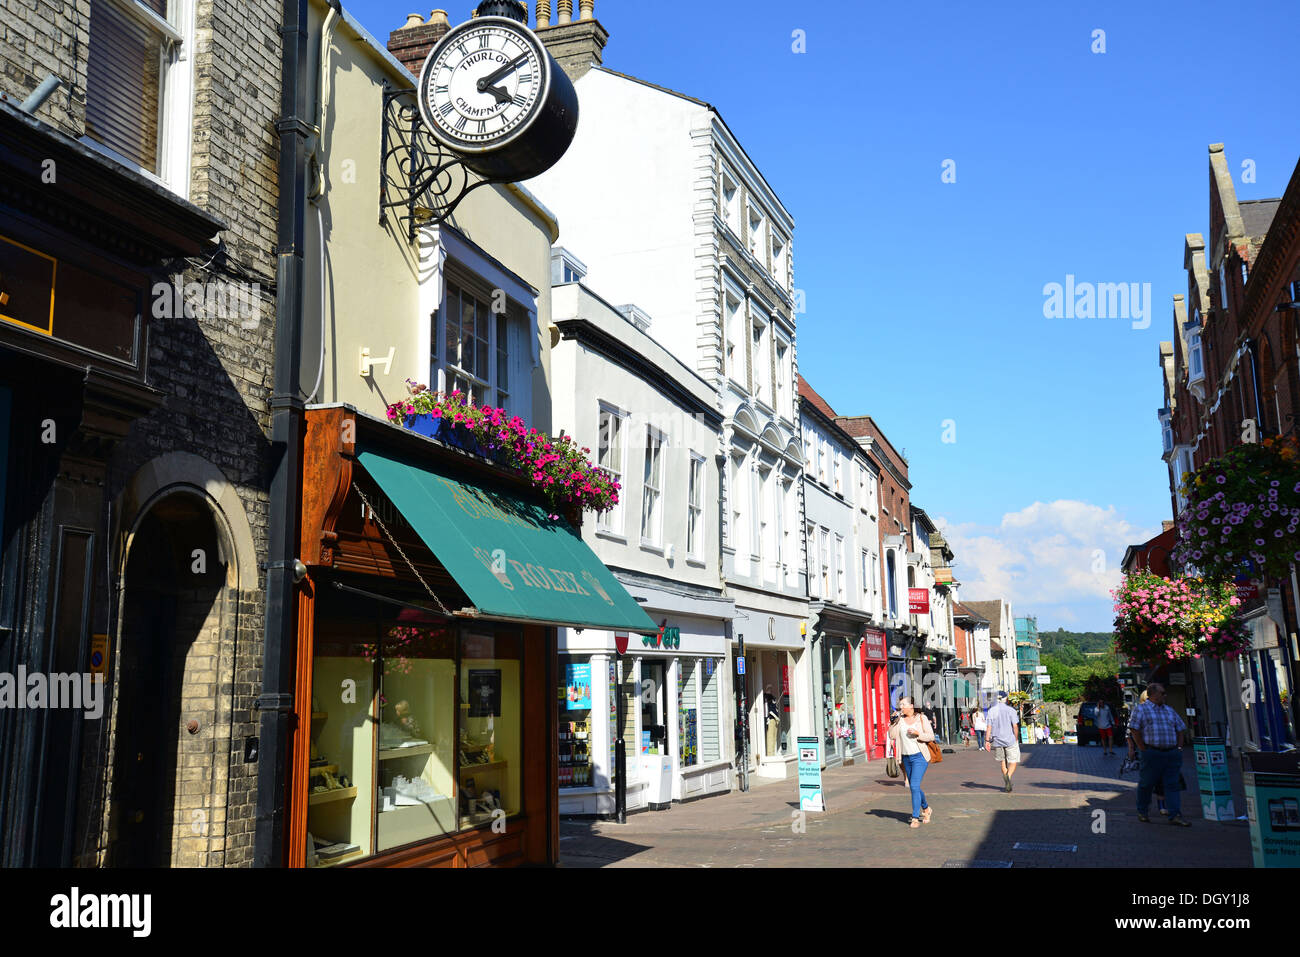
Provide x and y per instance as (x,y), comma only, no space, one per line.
(175,607)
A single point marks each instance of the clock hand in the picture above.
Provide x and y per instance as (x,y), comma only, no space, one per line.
(501,95)
(506,70)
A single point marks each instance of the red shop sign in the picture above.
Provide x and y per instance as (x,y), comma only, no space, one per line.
(873,645)
(918,601)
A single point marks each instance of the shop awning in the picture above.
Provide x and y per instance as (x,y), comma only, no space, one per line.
(506,553)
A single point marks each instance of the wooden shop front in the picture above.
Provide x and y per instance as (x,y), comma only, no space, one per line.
(427,666)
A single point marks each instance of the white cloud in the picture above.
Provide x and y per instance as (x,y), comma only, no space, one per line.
(1057,560)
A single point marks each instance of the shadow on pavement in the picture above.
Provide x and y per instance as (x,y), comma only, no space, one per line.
(903,816)
(581,846)
(1105,832)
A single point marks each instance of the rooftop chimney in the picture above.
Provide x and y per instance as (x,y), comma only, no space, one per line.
(411,43)
(577,45)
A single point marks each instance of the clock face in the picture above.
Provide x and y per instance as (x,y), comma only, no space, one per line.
(483,85)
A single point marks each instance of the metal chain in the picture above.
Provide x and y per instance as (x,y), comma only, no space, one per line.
(380,522)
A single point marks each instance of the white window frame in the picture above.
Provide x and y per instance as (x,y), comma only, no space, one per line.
(760,331)
(814,571)
(696,479)
(781,398)
(838,465)
(735,333)
(824,560)
(613,520)
(1195,357)
(756,523)
(756,233)
(655,517)
(176,95)
(780,254)
(485,391)
(841,595)
(730,208)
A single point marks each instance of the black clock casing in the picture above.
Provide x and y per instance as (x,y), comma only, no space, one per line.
(523,124)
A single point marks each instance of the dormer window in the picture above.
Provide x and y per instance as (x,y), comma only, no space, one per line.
(566,267)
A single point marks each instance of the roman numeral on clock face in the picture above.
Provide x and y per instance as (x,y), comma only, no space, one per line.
(520,99)
(525,78)
(482,126)
(483,42)
(446,109)
(460,124)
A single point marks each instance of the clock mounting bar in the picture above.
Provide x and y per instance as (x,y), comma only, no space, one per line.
(419,178)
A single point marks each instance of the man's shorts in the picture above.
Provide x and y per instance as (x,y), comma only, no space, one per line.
(1106,733)
(1010,755)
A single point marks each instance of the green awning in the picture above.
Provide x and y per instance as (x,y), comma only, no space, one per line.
(506,553)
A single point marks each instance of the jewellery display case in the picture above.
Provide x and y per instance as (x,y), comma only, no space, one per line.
(340,800)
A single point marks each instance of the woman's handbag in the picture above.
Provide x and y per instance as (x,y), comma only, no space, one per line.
(891,766)
(936,755)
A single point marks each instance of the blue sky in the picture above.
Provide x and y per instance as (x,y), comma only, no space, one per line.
(1067,161)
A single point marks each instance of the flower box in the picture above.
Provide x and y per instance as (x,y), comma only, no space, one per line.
(557,468)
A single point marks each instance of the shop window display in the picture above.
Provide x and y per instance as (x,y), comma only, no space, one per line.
(688,743)
(629,714)
(490,727)
(575,724)
(710,739)
(415,732)
(417,729)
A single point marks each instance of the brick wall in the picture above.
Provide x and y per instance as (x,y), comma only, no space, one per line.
(216,367)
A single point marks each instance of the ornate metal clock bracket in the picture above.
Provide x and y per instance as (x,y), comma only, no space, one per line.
(418,176)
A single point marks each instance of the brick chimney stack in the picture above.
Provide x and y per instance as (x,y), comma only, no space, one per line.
(412,42)
(577,45)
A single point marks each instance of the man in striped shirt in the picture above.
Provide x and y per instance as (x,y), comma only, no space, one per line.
(1158,732)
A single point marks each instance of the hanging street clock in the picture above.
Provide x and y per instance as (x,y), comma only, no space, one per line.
(491,93)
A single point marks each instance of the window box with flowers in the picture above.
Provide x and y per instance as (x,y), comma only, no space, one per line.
(1243,508)
(558,468)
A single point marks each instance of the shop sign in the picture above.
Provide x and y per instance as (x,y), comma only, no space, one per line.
(1273,809)
(1212,775)
(810,774)
(873,645)
(27,286)
(918,601)
(665,637)
(1247,590)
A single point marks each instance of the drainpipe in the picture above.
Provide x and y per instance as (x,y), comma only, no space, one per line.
(275,704)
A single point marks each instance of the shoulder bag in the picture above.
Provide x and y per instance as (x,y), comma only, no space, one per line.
(936,754)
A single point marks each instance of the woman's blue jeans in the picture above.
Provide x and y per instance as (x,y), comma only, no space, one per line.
(979,736)
(914,765)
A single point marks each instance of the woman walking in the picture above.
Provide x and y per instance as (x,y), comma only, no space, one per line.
(907,741)
(981,725)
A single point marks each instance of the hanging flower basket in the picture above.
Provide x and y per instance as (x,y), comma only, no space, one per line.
(1243,508)
(1161,619)
(556,467)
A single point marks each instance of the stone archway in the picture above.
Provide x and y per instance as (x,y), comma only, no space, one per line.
(185,555)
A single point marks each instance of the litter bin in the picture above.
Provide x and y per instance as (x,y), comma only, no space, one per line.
(657,772)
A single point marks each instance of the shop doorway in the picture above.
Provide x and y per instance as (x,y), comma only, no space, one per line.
(173,609)
(654,723)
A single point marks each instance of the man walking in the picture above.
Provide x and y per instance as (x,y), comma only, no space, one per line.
(1106,727)
(1004,737)
(1158,732)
